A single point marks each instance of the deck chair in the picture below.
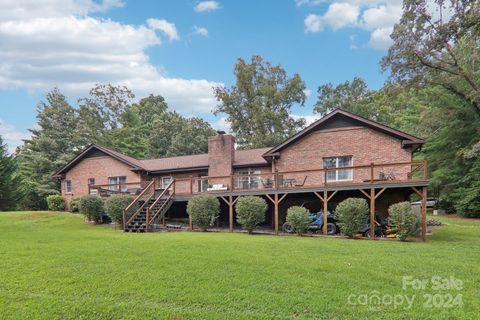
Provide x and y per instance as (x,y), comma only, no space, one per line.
(298,184)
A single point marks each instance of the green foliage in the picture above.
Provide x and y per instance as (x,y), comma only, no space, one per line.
(204,210)
(298,218)
(250,212)
(174,135)
(56,202)
(115,205)
(352,214)
(74,204)
(258,105)
(402,217)
(92,208)
(11,185)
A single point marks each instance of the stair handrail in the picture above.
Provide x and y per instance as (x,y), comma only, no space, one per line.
(125,223)
(160,197)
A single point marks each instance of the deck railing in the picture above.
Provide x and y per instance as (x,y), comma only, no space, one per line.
(140,201)
(298,179)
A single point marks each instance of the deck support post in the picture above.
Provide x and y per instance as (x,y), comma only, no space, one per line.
(230,213)
(276,201)
(325,210)
(372,213)
(325,198)
(230,202)
(276,212)
(424,214)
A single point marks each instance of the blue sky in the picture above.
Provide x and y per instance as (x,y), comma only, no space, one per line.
(180,48)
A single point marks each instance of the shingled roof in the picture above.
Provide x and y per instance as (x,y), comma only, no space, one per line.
(252,157)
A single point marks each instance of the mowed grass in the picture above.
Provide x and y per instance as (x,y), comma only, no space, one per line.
(54,266)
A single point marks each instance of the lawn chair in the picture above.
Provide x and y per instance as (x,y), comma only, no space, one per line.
(267,183)
(298,184)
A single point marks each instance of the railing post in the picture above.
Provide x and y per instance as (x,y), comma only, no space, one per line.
(371,172)
(191,185)
(147,220)
(424,169)
(276,179)
(231,183)
(173,186)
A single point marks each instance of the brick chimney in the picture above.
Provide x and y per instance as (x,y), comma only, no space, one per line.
(221,154)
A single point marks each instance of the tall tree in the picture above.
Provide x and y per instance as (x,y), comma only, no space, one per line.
(52,144)
(174,135)
(101,112)
(437,42)
(348,96)
(258,105)
(11,190)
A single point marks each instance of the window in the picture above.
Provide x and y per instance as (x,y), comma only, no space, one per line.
(203,184)
(338,162)
(68,186)
(91,181)
(165,181)
(248,182)
(115,181)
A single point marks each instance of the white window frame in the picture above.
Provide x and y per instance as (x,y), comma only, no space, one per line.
(248,179)
(203,184)
(163,182)
(114,187)
(68,185)
(337,161)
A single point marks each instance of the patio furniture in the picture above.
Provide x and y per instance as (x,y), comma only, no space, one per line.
(288,182)
(298,184)
(217,187)
(267,183)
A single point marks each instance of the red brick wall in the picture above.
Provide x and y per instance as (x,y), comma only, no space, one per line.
(221,155)
(99,168)
(363,144)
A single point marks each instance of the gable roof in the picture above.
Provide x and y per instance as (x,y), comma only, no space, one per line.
(252,157)
(407,139)
(132,162)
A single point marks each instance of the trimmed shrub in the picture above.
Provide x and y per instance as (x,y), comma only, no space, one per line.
(298,218)
(402,216)
(92,208)
(204,210)
(352,214)
(115,205)
(74,204)
(56,202)
(250,212)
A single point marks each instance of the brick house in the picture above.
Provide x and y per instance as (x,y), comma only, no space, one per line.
(338,156)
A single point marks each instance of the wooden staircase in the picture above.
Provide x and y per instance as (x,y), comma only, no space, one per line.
(148,209)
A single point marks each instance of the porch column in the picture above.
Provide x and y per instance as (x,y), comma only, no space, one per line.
(372,213)
(230,213)
(424,214)
(275,202)
(325,208)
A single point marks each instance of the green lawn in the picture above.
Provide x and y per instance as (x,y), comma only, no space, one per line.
(54,266)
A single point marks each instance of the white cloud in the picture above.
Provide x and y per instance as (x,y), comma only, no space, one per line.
(338,15)
(300,3)
(222,124)
(309,119)
(375,16)
(307,92)
(207,6)
(11,136)
(201,31)
(59,44)
(166,27)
